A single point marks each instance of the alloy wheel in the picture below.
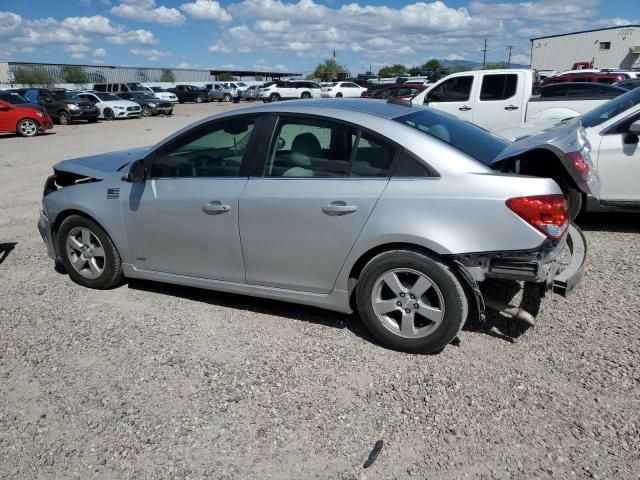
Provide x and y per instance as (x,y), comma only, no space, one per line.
(408,303)
(28,128)
(85,252)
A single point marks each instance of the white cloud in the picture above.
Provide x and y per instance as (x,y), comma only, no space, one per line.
(206,11)
(9,23)
(99,52)
(219,47)
(77,48)
(96,24)
(152,54)
(77,56)
(147,11)
(521,59)
(142,37)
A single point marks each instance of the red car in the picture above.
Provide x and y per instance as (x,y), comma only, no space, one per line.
(396,91)
(26,122)
(606,78)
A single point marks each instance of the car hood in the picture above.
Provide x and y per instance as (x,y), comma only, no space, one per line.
(100,166)
(119,103)
(563,138)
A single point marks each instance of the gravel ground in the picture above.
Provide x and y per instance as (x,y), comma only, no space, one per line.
(155,381)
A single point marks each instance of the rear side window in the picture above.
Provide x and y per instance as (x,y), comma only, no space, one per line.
(498,87)
(605,80)
(311,148)
(407,166)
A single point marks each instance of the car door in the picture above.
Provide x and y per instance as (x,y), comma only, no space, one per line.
(454,96)
(302,212)
(184,218)
(7,118)
(500,101)
(619,162)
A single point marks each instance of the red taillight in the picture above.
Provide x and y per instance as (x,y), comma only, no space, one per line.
(547,213)
(581,165)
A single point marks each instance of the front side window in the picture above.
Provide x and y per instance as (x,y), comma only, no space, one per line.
(457,89)
(310,148)
(498,87)
(211,150)
(389,92)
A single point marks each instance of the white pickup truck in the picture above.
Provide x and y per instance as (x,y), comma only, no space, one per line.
(495,99)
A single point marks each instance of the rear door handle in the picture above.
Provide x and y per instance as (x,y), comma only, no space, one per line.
(464,108)
(338,208)
(215,208)
(510,107)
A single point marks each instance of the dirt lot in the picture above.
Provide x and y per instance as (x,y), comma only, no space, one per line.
(154,381)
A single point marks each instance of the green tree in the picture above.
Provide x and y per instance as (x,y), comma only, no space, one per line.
(329,69)
(495,66)
(225,77)
(167,75)
(392,70)
(414,71)
(74,74)
(32,76)
(433,63)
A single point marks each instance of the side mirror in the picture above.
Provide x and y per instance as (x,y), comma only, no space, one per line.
(280,143)
(635,127)
(46,99)
(137,172)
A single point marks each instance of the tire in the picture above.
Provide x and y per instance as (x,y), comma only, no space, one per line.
(339,95)
(27,128)
(575,202)
(305,95)
(98,265)
(274,97)
(64,118)
(108,114)
(226,97)
(146,111)
(93,120)
(444,300)
(199,99)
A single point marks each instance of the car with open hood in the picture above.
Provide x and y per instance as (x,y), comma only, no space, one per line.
(334,203)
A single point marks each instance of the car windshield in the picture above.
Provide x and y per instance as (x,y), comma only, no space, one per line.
(13,98)
(107,97)
(466,137)
(332,84)
(157,89)
(611,108)
(59,95)
(241,84)
(134,86)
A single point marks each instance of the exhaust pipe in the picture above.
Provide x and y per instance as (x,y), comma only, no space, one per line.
(514,312)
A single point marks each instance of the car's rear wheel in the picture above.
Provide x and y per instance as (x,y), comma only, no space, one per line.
(305,95)
(27,128)
(226,97)
(88,254)
(574,201)
(274,97)
(146,111)
(108,114)
(339,95)
(64,118)
(411,302)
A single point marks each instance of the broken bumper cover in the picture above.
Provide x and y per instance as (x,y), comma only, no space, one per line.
(44,227)
(563,281)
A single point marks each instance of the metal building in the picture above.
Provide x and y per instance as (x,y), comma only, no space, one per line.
(614,47)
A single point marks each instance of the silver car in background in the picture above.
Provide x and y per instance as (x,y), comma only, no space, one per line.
(377,206)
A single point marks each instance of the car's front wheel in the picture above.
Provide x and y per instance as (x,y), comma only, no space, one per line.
(411,302)
(27,128)
(108,114)
(88,254)
(274,97)
(199,99)
(146,111)
(226,97)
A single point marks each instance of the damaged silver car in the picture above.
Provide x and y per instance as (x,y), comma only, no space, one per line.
(381,207)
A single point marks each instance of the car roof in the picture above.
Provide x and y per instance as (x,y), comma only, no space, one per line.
(582,84)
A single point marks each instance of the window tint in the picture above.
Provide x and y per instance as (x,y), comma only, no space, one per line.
(322,149)
(498,87)
(457,89)
(407,166)
(212,150)
(605,80)
(390,92)
(623,127)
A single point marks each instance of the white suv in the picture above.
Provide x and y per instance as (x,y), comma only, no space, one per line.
(275,91)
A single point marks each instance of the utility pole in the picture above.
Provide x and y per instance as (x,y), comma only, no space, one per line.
(484,53)
(509,58)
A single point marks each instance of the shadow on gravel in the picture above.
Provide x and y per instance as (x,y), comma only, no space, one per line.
(5,250)
(610,222)
(258,305)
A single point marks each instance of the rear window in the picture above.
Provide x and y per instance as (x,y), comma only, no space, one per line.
(466,137)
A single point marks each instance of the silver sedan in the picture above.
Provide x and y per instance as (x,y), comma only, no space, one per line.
(378,206)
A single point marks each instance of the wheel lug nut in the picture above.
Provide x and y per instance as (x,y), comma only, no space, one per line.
(406,310)
(402,294)
(416,306)
(398,303)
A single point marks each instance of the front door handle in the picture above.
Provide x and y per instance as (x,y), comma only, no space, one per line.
(215,208)
(464,108)
(510,107)
(338,208)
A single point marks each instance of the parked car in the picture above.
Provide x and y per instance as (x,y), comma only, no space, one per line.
(111,106)
(190,93)
(25,121)
(629,84)
(150,105)
(118,87)
(280,90)
(14,98)
(235,85)
(163,94)
(398,91)
(221,93)
(319,191)
(375,88)
(342,89)
(251,93)
(613,132)
(605,78)
(62,105)
(580,89)
(495,99)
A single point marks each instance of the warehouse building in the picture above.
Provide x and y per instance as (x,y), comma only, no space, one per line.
(614,47)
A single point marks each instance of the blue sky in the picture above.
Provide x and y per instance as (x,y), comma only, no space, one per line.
(288,35)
